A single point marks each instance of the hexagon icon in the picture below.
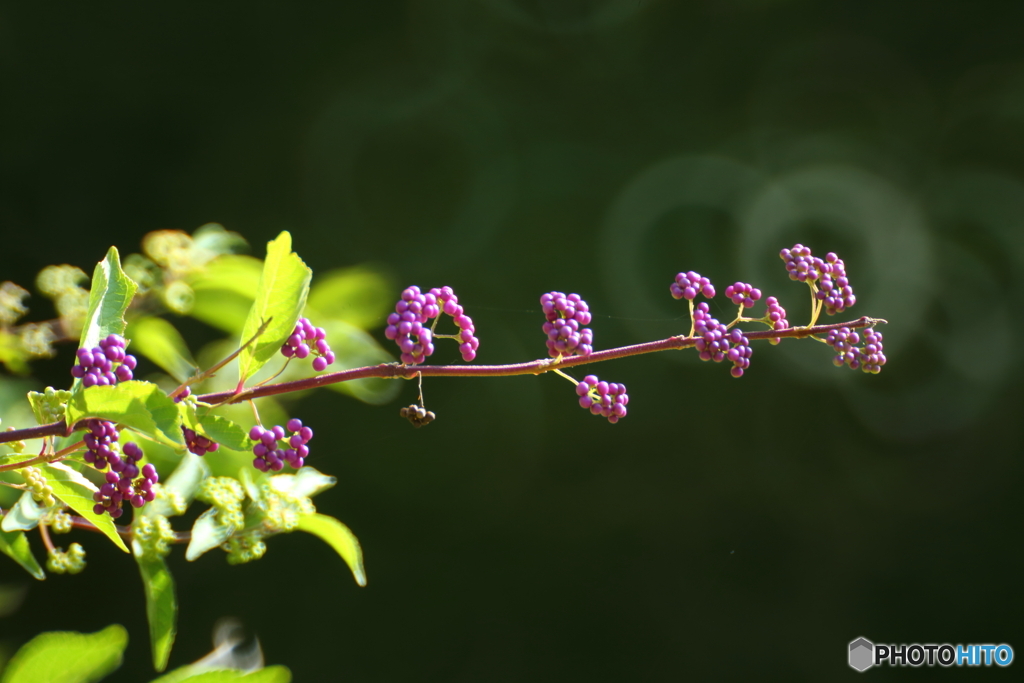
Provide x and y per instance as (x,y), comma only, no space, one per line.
(862,654)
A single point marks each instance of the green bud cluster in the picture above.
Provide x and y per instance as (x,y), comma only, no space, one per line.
(283,510)
(42,492)
(153,534)
(70,562)
(12,303)
(62,285)
(60,522)
(37,339)
(49,405)
(226,495)
(174,500)
(245,547)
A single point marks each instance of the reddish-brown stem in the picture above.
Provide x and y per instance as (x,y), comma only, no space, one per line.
(398,371)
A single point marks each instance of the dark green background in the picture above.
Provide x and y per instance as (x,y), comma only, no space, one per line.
(727,529)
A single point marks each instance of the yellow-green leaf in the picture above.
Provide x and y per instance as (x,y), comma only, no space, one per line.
(280,298)
(160,341)
(68,657)
(161,605)
(109,297)
(339,537)
(143,406)
(75,491)
(15,546)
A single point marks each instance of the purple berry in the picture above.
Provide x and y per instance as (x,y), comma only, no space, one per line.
(689,285)
(607,399)
(743,294)
(716,342)
(306,341)
(868,357)
(565,316)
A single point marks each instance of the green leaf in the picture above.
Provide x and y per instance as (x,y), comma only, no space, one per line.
(306,483)
(207,533)
(48,406)
(224,291)
(160,341)
(109,297)
(184,481)
(222,430)
(161,605)
(361,296)
(193,674)
(339,537)
(15,546)
(280,298)
(75,491)
(143,406)
(68,657)
(24,515)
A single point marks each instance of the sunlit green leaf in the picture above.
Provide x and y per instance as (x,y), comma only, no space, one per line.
(109,297)
(159,341)
(280,298)
(15,546)
(183,482)
(161,605)
(361,296)
(67,657)
(193,674)
(24,515)
(75,491)
(224,291)
(143,406)
(339,537)
(207,533)
(222,430)
(307,482)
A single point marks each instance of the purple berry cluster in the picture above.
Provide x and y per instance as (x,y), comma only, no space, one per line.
(833,286)
(565,315)
(869,357)
(689,285)
(716,342)
(449,303)
(183,395)
(271,455)
(307,341)
(125,482)
(776,316)
(99,439)
(105,364)
(198,444)
(743,294)
(603,398)
(408,327)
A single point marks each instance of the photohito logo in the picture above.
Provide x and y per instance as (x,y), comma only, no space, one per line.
(864,654)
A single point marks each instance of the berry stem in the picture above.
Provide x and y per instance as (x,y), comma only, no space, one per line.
(559,372)
(45,533)
(399,371)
